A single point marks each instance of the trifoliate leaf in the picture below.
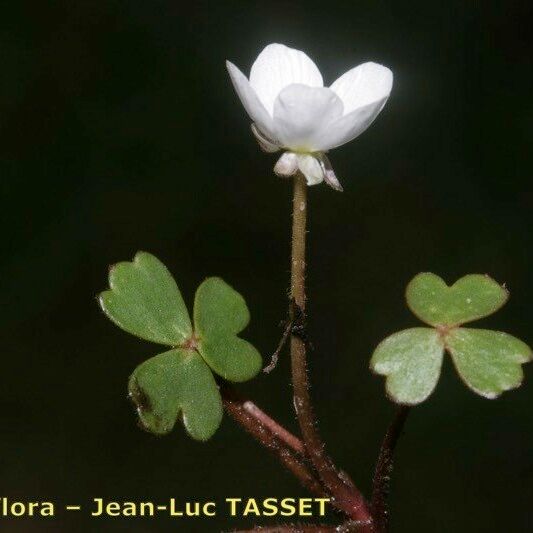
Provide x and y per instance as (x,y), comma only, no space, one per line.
(144,300)
(470,298)
(411,360)
(220,313)
(489,362)
(173,383)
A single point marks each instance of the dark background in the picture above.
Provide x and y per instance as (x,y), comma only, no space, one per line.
(120,131)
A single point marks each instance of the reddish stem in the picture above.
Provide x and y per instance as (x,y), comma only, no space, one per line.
(381,483)
(300,528)
(279,431)
(346,497)
(235,407)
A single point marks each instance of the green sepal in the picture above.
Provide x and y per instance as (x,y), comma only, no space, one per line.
(489,362)
(173,383)
(411,360)
(220,313)
(145,301)
(470,298)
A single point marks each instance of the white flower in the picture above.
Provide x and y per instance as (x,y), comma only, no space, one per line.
(292,110)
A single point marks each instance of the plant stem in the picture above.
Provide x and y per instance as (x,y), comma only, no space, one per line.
(292,441)
(381,483)
(236,408)
(300,528)
(346,497)
(279,431)
(347,527)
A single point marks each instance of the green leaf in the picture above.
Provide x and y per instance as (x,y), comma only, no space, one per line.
(411,360)
(489,362)
(144,300)
(219,308)
(174,382)
(220,313)
(470,298)
(230,357)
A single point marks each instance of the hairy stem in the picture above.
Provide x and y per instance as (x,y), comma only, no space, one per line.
(347,527)
(381,483)
(346,497)
(260,417)
(285,446)
(279,431)
(299,528)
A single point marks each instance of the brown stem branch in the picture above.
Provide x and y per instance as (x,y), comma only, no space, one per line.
(300,528)
(346,497)
(381,483)
(292,441)
(347,527)
(275,356)
(278,440)
(260,417)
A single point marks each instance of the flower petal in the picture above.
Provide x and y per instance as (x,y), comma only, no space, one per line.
(349,126)
(363,85)
(265,144)
(311,168)
(250,101)
(287,164)
(303,116)
(278,66)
